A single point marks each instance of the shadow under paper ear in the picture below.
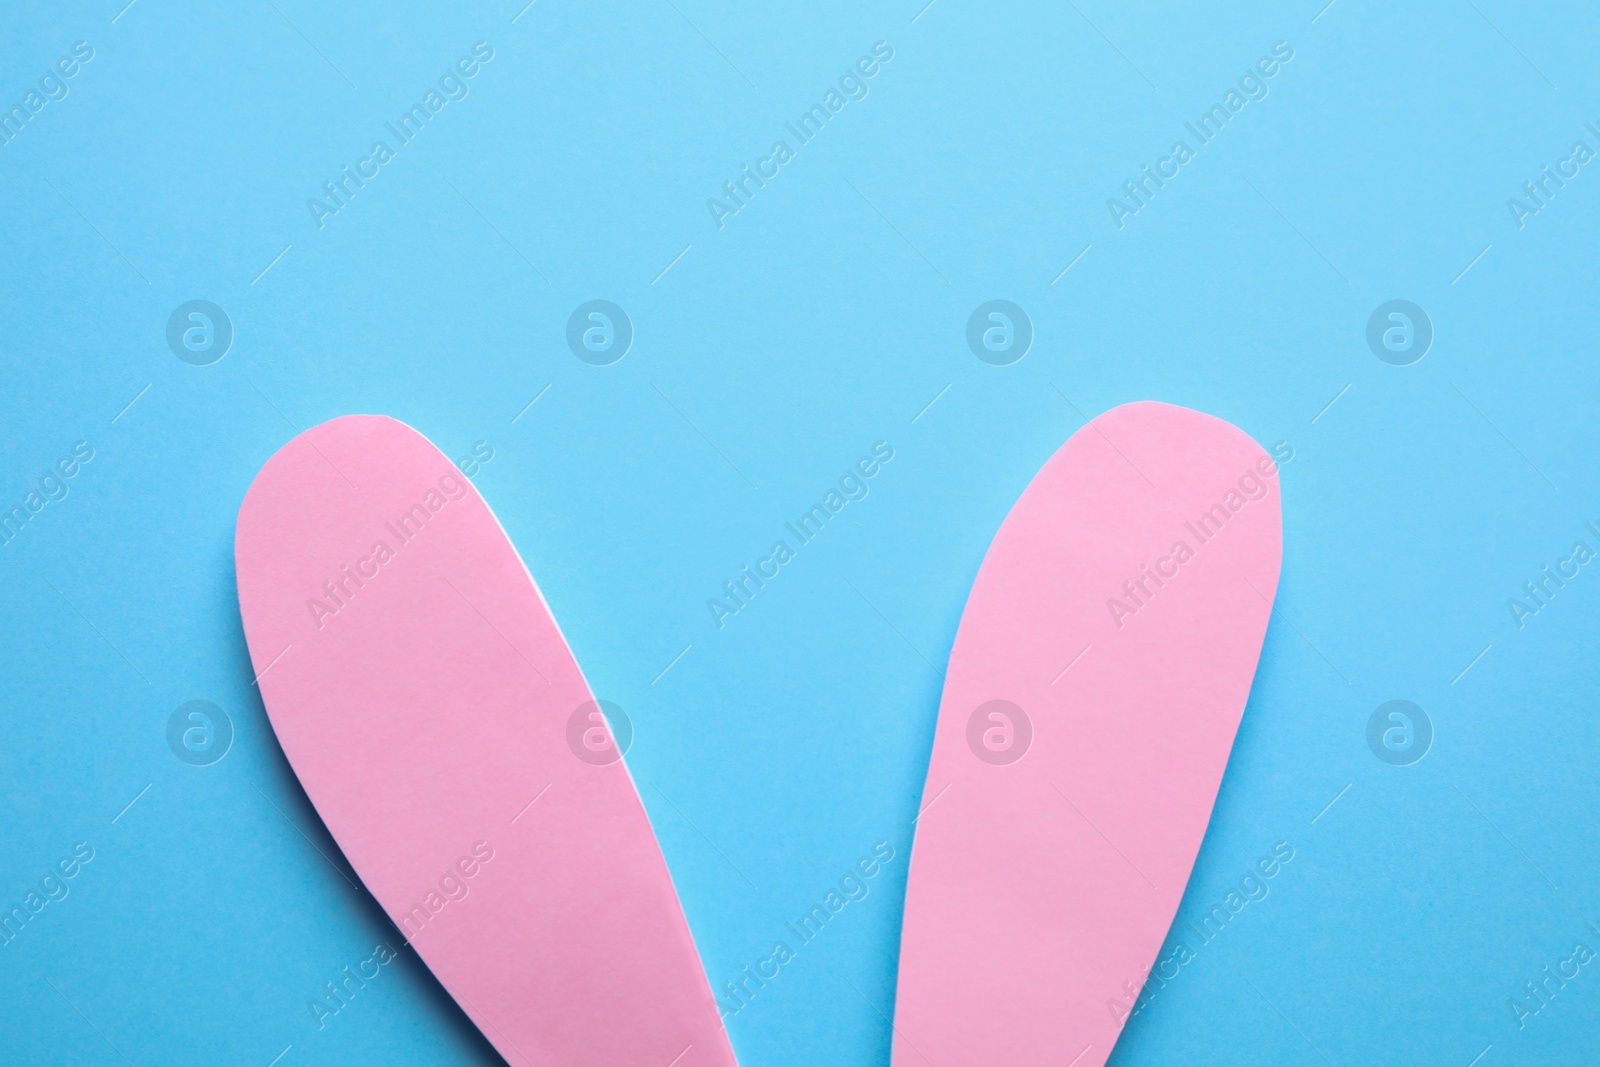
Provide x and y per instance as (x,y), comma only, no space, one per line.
(1096,682)
(437,719)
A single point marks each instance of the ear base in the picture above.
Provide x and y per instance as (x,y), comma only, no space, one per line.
(437,719)
(1095,686)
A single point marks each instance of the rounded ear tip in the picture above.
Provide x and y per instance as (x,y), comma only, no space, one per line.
(411,670)
(1112,604)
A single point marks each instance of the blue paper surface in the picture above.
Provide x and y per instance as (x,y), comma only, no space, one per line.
(778,327)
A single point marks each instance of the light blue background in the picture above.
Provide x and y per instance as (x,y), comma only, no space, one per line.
(823,317)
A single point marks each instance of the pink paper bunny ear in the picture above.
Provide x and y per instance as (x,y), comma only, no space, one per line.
(1096,683)
(438,721)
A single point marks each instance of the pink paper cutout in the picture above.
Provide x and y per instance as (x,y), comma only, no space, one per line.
(1040,889)
(424,697)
